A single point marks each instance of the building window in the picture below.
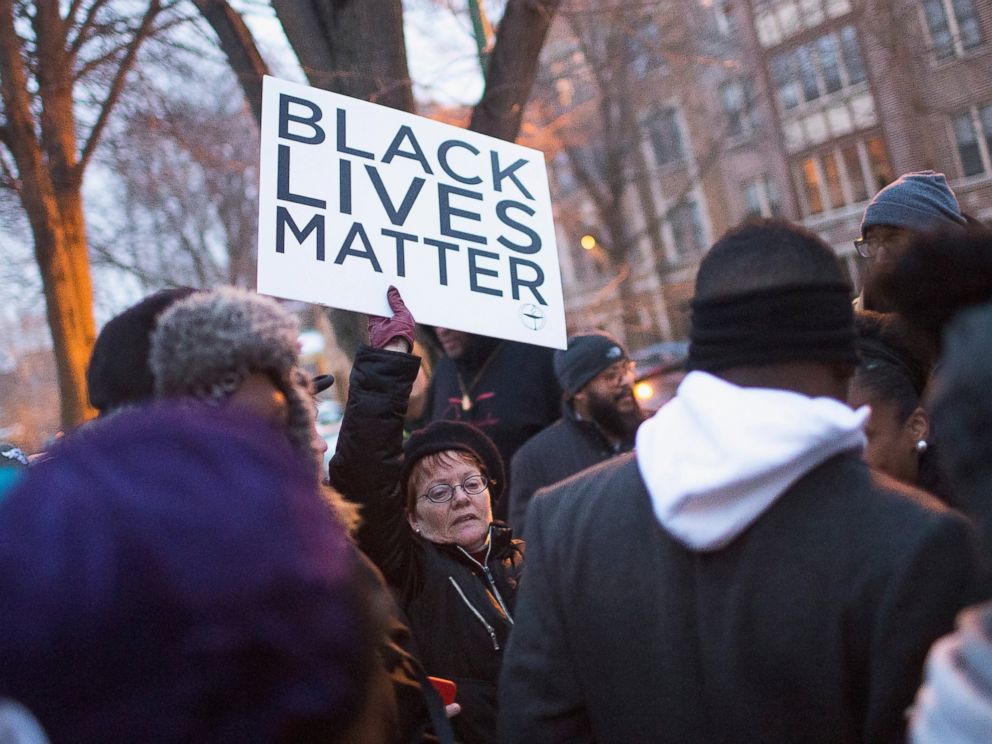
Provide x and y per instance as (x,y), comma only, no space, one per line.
(645,49)
(953,27)
(687,228)
(819,68)
(737,98)
(723,14)
(761,198)
(665,135)
(841,176)
(777,20)
(973,136)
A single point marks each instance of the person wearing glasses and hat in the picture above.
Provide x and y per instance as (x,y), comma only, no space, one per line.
(427,509)
(913,203)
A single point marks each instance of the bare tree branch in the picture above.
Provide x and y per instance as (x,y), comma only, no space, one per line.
(21,129)
(114,92)
(239,46)
(82,34)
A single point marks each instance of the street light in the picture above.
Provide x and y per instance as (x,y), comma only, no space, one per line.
(588,242)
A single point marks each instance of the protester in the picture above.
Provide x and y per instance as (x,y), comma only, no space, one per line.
(963,261)
(912,204)
(174,575)
(955,704)
(233,348)
(890,378)
(599,416)
(506,389)
(118,374)
(742,576)
(427,522)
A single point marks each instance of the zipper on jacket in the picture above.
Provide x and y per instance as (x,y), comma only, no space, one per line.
(489,577)
(489,628)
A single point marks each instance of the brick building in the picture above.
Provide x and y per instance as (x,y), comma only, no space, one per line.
(796,108)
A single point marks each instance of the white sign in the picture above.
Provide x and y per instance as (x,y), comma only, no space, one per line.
(355,197)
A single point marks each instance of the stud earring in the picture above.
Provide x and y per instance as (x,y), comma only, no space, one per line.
(921,446)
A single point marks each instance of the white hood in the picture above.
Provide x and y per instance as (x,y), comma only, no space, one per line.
(717,455)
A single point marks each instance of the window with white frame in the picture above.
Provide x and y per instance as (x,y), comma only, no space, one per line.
(842,175)
(823,66)
(761,198)
(973,137)
(687,227)
(723,15)
(777,20)
(737,98)
(665,135)
(953,26)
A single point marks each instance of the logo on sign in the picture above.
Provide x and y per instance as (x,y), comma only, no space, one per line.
(532,316)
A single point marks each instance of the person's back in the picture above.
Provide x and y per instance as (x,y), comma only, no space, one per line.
(742,577)
(809,627)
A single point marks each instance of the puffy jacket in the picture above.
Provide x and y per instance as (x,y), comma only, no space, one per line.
(460,610)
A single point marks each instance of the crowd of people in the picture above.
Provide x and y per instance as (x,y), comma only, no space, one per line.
(796,547)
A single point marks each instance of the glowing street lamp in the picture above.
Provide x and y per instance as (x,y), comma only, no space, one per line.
(588,242)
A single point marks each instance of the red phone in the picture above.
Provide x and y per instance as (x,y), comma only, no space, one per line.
(445,688)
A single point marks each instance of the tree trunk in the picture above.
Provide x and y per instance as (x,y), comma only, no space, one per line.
(512,67)
(64,263)
(49,190)
(353,48)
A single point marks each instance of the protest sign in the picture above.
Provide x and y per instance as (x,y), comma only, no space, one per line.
(355,197)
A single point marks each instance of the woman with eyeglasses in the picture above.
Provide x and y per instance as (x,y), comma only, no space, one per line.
(428,523)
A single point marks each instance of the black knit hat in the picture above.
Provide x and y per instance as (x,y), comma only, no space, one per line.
(453,435)
(588,354)
(118,372)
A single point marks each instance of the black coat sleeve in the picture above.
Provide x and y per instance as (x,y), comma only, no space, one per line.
(540,698)
(369,455)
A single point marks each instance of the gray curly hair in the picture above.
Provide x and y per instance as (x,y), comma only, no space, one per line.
(207,344)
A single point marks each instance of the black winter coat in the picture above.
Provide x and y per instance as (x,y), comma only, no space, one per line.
(453,603)
(811,626)
(560,451)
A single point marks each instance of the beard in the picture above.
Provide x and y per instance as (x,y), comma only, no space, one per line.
(606,412)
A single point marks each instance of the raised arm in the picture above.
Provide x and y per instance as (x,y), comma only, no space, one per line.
(369,454)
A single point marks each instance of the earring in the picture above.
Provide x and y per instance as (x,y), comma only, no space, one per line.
(921,446)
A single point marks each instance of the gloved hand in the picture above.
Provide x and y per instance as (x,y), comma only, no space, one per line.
(401,325)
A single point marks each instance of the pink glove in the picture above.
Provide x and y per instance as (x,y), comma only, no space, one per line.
(401,325)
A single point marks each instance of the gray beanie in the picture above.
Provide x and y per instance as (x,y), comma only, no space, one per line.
(914,201)
(587,355)
(206,345)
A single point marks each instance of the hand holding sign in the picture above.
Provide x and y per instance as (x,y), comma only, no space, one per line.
(356,197)
(400,326)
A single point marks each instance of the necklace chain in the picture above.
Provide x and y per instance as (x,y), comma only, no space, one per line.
(466,398)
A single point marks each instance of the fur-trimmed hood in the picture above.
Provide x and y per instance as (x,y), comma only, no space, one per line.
(206,345)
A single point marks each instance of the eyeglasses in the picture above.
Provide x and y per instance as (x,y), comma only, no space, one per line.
(617,373)
(871,247)
(442,492)
(867,249)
